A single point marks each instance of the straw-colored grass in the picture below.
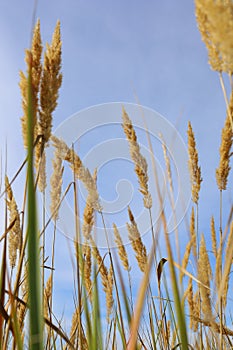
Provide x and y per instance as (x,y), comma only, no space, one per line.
(157,314)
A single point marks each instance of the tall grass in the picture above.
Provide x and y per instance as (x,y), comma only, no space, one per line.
(34,278)
(181,304)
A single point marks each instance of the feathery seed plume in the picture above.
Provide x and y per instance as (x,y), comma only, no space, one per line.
(80,172)
(225,149)
(33,61)
(47,296)
(204,275)
(88,214)
(50,83)
(138,159)
(121,248)
(56,183)
(193,233)
(194,168)
(136,241)
(215,22)
(227,266)
(100,262)
(15,235)
(213,237)
(87,268)
(109,293)
(186,256)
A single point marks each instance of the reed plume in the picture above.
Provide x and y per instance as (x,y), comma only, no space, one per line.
(193,233)
(204,276)
(42,180)
(51,79)
(218,265)
(168,164)
(109,293)
(136,241)
(223,170)
(100,262)
(194,168)
(56,183)
(88,214)
(87,264)
(213,237)
(50,83)
(33,62)
(22,308)
(186,257)
(227,267)
(47,296)
(138,159)
(81,173)
(193,324)
(76,342)
(215,22)
(121,249)
(45,82)
(15,234)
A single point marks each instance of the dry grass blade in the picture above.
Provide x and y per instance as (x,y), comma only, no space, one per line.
(140,302)
(160,270)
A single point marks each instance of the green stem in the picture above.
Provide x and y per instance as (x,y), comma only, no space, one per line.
(34,281)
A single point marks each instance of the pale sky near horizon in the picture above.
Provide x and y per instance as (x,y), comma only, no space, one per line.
(118,51)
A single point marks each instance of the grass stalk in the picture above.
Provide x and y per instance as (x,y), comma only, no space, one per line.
(34,280)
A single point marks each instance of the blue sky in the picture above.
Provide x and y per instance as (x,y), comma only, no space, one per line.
(114,51)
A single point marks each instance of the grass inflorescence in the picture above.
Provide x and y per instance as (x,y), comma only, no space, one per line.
(186,300)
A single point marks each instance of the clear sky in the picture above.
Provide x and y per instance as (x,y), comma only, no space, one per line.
(114,51)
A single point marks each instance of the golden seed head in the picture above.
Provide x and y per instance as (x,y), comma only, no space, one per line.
(87,269)
(140,163)
(50,83)
(100,262)
(47,296)
(225,150)
(194,168)
(121,248)
(227,266)
(56,184)
(15,234)
(186,256)
(109,293)
(34,67)
(193,232)
(80,172)
(42,173)
(204,275)
(136,242)
(215,22)
(213,237)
